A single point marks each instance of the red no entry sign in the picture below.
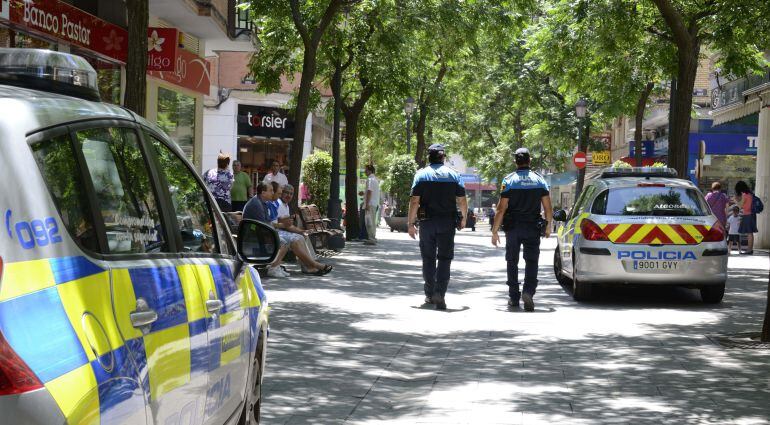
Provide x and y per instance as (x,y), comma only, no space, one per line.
(579,159)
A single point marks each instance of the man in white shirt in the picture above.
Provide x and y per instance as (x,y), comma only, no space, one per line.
(275,175)
(372,204)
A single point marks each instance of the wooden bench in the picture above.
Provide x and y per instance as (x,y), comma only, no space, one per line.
(320,232)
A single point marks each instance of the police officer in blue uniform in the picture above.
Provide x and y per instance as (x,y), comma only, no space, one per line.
(438,202)
(518,211)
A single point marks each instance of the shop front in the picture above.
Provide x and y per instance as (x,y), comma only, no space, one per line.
(177,81)
(264,136)
(727,157)
(56,25)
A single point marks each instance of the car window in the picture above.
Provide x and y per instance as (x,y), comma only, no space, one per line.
(652,201)
(583,201)
(124,195)
(56,160)
(189,199)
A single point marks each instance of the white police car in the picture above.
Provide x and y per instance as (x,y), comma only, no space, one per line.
(123,298)
(641,225)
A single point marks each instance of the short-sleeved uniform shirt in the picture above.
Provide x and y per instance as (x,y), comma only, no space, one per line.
(524,189)
(438,187)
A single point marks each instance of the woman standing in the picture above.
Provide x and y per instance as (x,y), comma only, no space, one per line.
(718,201)
(219,181)
(745,199)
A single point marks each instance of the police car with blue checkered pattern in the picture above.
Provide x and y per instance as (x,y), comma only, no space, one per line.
(123,297)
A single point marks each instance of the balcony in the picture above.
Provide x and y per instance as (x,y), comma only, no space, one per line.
(239,21)
(736,91)
(205,19)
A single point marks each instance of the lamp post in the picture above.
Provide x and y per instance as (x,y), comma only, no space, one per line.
(581,110)
(408,109)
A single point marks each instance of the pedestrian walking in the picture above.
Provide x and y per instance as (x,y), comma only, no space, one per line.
(219,182)
(371,205)
(745,199)
(733,230)
(241,192)
(518,212)
(437,193)
(718,201)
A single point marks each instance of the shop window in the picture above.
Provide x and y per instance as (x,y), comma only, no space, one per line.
(123,190)
(176,116)
(256,155)
(15,39)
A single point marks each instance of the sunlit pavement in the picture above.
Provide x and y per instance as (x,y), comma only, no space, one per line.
(358,346)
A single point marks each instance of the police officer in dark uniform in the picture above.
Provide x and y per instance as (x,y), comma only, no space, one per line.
(437,193)
(518,211)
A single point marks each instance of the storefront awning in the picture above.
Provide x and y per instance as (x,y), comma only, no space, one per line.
(735,112)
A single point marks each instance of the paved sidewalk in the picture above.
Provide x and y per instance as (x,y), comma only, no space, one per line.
(357,346)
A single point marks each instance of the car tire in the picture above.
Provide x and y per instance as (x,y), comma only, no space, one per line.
(252,409)
(581,291)
(557,268)
(712,294)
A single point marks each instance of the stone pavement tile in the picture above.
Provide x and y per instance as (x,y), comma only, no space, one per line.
(270,419)
(314,420)
(495,413)
(386,349)
(439,415)
(530,418)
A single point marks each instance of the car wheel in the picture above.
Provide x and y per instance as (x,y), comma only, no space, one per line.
(252,410)
(557,268)
(712,294)
(581,291)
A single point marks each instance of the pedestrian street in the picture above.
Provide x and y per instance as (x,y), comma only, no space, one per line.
(358,346)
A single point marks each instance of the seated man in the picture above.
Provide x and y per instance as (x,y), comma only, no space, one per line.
(256,209)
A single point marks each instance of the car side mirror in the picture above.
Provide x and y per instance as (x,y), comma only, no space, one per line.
(560,215)
(258,242)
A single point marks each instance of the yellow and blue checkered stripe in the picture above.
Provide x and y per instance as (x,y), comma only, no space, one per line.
(89,372)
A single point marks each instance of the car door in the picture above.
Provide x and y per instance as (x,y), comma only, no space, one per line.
(93,376)
(572,229)
(208,250)
(152,294)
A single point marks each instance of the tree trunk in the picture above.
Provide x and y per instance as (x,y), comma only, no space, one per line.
(135,97)
(640,108)
(334,190)
(518,130)
(679,125)
(300,118)
(419,130)
(585,132)
(352,223)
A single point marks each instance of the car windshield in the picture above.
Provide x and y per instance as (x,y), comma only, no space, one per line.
(651,201)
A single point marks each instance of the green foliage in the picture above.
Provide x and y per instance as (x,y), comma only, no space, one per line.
(659,165)
(316,175)
(621,164)
(398,181)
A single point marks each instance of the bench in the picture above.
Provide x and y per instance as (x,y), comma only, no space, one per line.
(321,235)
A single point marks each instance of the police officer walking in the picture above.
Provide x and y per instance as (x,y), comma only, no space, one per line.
(518,211)
(437,193)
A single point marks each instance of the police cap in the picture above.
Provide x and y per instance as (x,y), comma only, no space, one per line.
(436,147)
(521,155)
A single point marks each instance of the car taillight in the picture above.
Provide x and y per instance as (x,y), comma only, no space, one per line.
(15,376)
(591,231)
(715,234)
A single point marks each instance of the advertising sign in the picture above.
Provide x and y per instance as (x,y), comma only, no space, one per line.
(723,144)
(600,158)
(265,122)
(189,71)
(69,24)
(161,48)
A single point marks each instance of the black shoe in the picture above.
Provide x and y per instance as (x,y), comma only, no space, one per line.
(529,305)
(513,302)
(428,300)
(438,300)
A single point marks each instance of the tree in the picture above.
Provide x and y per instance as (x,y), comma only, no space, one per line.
(138,13)
(732,29)
(316,176)
(284,30)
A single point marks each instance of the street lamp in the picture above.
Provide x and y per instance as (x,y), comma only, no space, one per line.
(408,109)
(581,108)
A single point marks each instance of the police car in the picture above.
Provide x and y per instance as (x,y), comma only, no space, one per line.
(641,226)
(123,297)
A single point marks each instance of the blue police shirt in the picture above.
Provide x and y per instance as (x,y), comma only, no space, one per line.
(524,189)
(438,186)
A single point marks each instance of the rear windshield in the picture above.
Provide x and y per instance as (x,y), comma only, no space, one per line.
(651,201)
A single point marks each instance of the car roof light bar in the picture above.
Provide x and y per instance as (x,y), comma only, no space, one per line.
(49,71)
(638,172)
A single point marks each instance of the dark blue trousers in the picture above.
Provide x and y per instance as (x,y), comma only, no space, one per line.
(527,235)
(437,246)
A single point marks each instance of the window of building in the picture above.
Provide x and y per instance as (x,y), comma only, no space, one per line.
(176,116)
(257,154)
(124,192)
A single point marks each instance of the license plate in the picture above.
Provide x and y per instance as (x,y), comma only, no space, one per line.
(653,266)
